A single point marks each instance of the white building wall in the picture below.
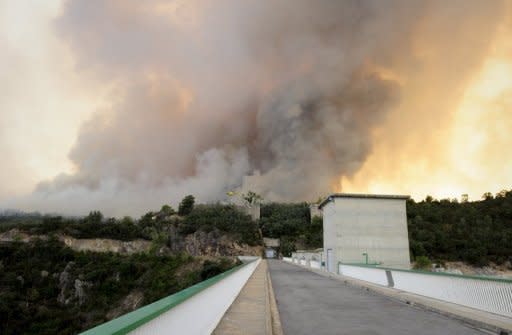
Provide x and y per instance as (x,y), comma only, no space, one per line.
(330,233)
(377,226)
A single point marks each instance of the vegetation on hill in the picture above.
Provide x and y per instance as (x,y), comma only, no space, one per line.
(292,224)
(46,288)
(475,232)
(226,220)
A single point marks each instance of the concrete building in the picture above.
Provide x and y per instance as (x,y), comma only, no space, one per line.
(365,228)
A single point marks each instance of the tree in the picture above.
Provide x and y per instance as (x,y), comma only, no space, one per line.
(127,220)
(487,196)
(252,198)
(186,205)
(94,217)
(422,263)
(167,210)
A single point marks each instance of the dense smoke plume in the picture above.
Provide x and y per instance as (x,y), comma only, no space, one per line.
(207,92)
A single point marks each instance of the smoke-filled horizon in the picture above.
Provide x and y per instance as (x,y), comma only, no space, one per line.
(204,93)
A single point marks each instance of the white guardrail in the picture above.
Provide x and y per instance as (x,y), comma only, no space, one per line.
(483,293)
(488,294)
(315,264)
(196,310)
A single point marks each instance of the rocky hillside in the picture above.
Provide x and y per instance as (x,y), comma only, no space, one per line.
(48,288)
(64,275)
(199,243)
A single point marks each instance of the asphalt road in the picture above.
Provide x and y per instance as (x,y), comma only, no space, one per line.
(311,304)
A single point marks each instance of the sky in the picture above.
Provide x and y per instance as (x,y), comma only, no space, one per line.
(123,106)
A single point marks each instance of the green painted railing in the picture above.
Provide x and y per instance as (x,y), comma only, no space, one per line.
(128,322)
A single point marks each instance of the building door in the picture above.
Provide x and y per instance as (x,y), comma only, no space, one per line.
(330,261)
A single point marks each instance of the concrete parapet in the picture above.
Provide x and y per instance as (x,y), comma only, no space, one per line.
(254,311)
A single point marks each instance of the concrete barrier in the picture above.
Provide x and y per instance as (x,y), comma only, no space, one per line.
(195,310)
(288,259)
(369,274)
(315,264)
(483,293)
(486,294)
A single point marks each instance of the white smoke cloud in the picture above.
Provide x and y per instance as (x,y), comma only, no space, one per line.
(212,91)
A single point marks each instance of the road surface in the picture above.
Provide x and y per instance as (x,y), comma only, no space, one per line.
(311,304)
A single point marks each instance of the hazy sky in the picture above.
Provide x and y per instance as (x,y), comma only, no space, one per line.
(125,105)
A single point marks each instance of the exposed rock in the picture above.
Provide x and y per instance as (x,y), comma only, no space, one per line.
(80,287)
(107,245)
(65,284)
(44,274)
(444,270)
(200,243)
(485,271)
(71,289)
(499,271)
(14,235)
(211,243)
(131,302)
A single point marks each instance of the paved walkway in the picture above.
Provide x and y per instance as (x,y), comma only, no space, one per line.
(312,304)
(250,312)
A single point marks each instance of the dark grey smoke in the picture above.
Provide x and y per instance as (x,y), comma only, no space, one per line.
(288,89)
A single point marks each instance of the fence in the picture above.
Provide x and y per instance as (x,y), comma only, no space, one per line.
(195,310)
(484,293)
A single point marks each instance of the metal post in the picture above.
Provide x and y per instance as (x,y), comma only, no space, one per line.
(366,256)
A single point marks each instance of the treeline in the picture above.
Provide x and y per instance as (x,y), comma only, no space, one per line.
(154,225)
(47,288)
(475,232)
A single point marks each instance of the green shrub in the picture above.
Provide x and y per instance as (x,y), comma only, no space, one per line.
(422,263)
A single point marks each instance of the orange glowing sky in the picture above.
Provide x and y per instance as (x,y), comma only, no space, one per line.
(45,101)
(471,155)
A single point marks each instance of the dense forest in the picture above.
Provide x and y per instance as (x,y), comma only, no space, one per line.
(47,288)
(476,232)
(293,225)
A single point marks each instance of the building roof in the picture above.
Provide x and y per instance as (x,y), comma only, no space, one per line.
(361,196)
